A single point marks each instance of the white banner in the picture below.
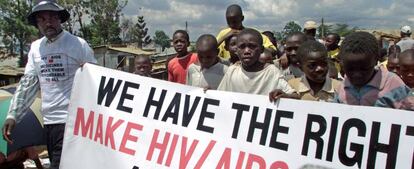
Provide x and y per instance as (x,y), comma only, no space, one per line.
(119,120)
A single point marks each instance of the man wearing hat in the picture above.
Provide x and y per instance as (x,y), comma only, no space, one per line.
(406,42)
(52,63)
(309,28)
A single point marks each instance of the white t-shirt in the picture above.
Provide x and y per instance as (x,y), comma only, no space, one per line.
(262,82)
(406,43)
(210,77)
(55,64)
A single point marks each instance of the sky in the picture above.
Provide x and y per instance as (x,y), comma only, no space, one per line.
(208,16)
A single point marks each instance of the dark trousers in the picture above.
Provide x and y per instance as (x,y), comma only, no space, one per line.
(54,140)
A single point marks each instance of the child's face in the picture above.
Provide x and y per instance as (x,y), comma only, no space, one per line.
(359,68)
(248,49)
(142,66)
(207,55)
(315,67)
(407,71)
(180,43)
(393,65)
(232,46)
(331,42)
(234,21)
(292,45)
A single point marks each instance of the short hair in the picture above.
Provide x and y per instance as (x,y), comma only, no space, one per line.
(185,33)
(249,31)
(234,8)
(337,37)
(144,57)
(209,38)
(360,43)
(311,46)
(301,35)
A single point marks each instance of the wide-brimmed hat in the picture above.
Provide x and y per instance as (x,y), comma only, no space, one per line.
(48,6)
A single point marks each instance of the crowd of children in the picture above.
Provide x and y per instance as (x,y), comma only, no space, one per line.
(241,59)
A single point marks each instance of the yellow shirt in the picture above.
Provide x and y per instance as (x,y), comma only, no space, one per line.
(326,94)
(226,55)
(334,55)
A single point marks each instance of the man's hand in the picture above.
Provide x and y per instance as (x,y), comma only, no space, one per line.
(8,126)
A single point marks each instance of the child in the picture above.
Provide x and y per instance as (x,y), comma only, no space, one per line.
(209,71)
(293,41)
(251,75)
(177,67)
(231,46)
(314,85)
(266,57)
(406,62)
(392,63)
(364,83)
(143,66)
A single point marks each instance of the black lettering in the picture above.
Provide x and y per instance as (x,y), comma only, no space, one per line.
(316,136)
(357,148)
(125,95)
(108,90)
(240,109)
(258,125)
(332,138)
(391,149)
(410,132)
(156,104)
(206,114)
(188,115)
(170,113)
(277,128)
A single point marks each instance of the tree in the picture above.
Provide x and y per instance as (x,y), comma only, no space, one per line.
(289,28)
(139,33)
(105,16)
(326,29)
(78,11)
(162,39)
(343,29)
(16,31)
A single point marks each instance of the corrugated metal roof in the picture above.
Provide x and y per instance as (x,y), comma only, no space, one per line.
(11,71)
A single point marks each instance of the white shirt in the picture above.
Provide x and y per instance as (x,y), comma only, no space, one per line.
(55,64)
(406,43)
(262,82)
(210,77)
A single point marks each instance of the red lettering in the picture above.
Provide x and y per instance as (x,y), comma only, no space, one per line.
(240,160)
(155,145)
(279,165)
(80,123)
(128,137)
(255,159)
(225,159)
(98,132)
(186,155)
(110,129)
(172,150)
(205,154)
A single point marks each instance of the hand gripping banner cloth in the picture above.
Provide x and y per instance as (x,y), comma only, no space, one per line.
(119,120)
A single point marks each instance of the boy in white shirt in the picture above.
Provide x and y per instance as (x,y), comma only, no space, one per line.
(251,75)
(208,71)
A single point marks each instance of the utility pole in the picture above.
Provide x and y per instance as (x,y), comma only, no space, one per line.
(322,30)
(186,26)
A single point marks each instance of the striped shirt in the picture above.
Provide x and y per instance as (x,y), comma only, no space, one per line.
(385,89)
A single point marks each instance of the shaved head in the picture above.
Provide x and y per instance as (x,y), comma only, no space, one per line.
(234,17)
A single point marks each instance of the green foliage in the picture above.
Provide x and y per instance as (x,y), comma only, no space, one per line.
(105,21)
(162,39)
(324,29)
(15,29)
(139,32)
(289,28)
